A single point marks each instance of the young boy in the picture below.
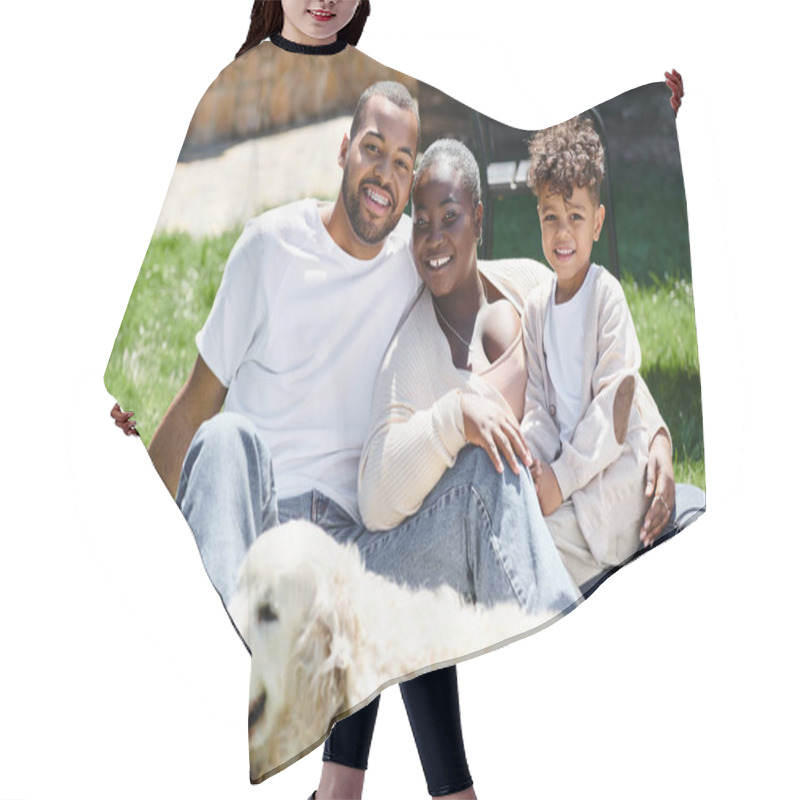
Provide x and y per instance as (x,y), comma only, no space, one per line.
(583,359)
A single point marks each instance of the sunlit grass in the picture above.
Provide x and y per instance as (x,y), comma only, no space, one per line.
(155,348)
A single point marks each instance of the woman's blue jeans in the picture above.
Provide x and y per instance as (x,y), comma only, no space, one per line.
(479,531)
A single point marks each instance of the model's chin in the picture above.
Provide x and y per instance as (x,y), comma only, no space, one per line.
(437,284)
(372,233)
(370,228)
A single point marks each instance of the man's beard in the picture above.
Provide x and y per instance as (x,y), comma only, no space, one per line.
(368,230)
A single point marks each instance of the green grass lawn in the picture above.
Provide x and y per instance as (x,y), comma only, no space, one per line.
(155,349)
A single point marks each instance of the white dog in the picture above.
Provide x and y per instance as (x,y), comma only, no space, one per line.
(326,635)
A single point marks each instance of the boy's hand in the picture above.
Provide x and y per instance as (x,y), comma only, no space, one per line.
(550,498)
(659,489)
(494,428)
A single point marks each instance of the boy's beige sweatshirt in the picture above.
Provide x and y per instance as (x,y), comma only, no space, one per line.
(602,466)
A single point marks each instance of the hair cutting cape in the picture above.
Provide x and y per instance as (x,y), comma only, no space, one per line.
(327,637)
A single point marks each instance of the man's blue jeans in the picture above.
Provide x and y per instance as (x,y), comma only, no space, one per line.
(479,531)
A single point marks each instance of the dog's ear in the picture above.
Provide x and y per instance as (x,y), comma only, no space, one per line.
(315,693)
(319,675)
(329,645)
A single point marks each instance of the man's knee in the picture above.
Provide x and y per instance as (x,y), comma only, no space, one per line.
(226,431)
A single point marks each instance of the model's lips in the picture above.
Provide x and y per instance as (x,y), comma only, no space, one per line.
(377,199)
(437,263)
(322,16)
(563,252)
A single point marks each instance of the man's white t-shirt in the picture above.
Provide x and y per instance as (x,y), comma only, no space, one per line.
(297,334)
(564,348)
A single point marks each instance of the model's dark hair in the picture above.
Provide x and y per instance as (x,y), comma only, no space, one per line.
(458,157)
(266,19)
(394,92)
(566,156)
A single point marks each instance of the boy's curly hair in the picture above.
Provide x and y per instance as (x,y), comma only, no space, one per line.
(566,156)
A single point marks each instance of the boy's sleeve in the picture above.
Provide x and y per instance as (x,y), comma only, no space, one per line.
(651,416)
(538,426)
(239,311)
(599,437)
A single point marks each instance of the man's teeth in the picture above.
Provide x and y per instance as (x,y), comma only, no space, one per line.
(564,252)
(439,262)
(378,198)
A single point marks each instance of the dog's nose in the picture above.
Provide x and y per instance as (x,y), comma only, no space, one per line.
(266,613)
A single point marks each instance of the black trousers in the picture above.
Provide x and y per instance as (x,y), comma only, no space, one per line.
(432,706)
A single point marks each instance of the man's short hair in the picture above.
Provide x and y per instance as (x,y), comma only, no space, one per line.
(566,156)
(460,158)
(394,92)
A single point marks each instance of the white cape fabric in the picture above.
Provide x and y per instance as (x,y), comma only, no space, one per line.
(266,134)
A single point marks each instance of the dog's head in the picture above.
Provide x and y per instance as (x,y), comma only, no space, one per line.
(294,607)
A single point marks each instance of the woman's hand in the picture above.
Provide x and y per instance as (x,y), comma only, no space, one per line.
(494,428)
(547,488)
(659,488)
(124,420)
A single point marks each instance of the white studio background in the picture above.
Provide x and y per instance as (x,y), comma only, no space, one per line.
(120,675)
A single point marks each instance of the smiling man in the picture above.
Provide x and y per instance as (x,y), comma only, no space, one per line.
(308,303)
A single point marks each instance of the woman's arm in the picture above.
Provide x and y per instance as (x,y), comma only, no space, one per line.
(407,451)
(406,456)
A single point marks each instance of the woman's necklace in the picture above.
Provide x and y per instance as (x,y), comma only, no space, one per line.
(481,301)
(458,336)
